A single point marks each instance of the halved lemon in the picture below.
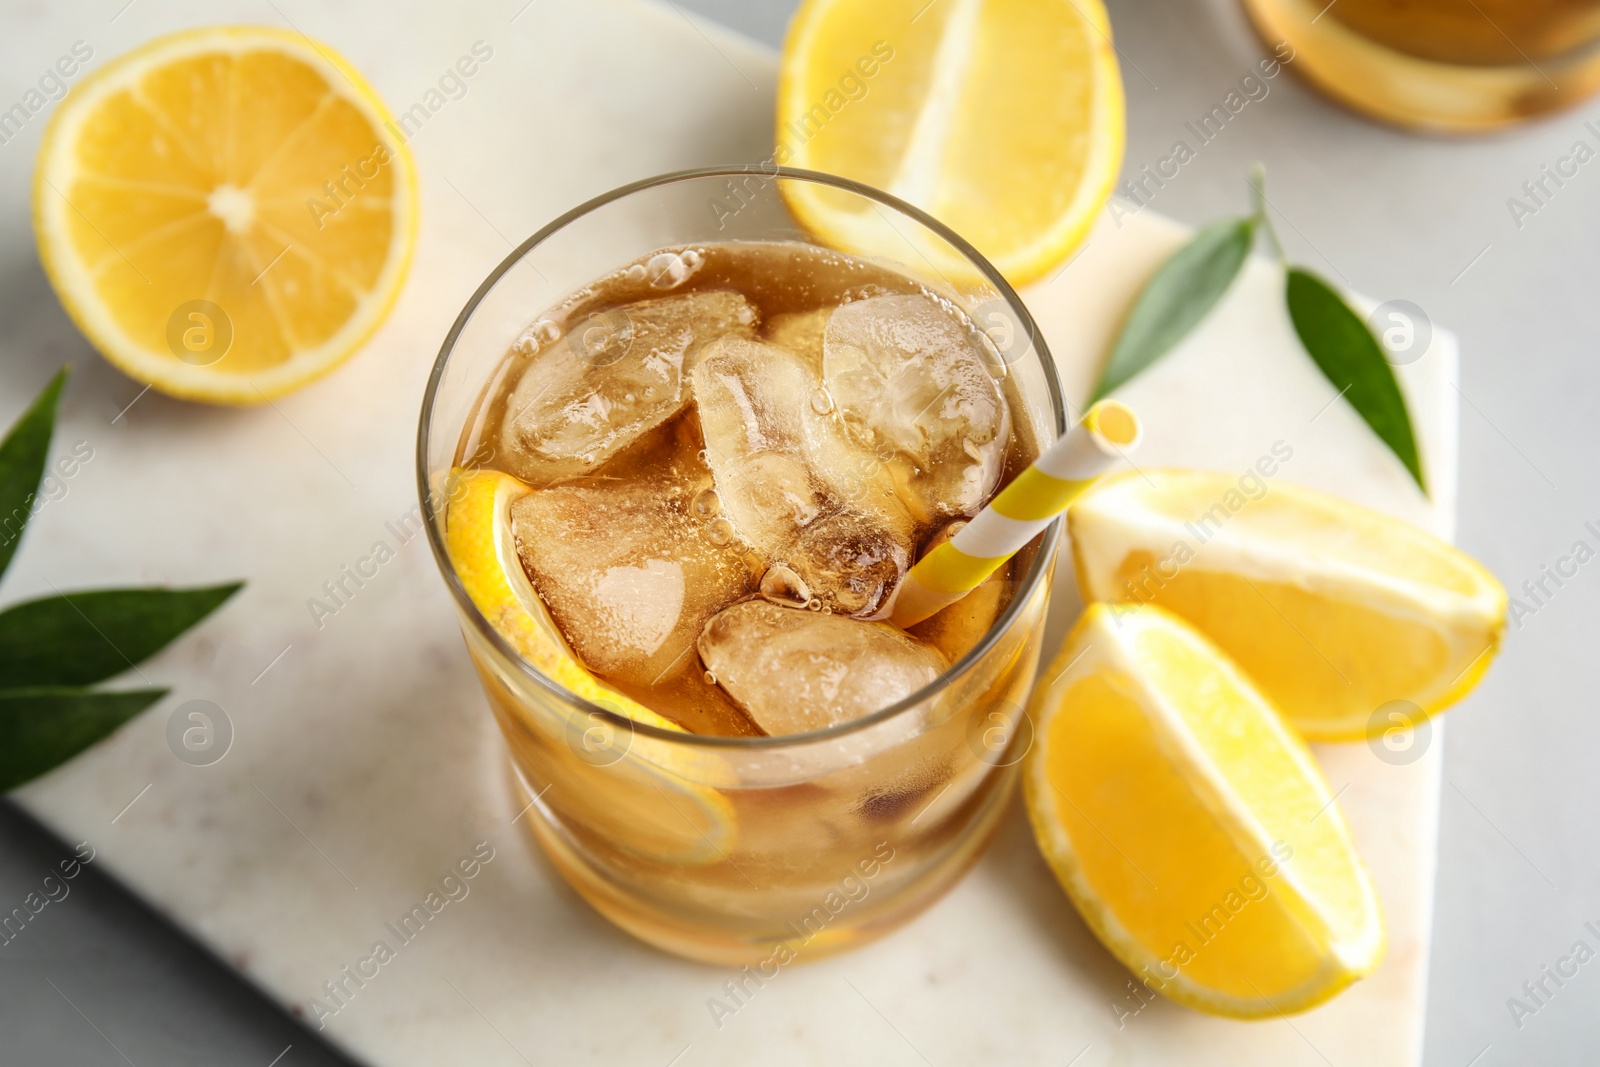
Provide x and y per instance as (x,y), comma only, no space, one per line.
(1001,118)
(226,212)
(1336,611)
(1191,826)
(653,798)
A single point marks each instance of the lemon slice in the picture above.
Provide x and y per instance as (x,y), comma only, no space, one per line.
(226,213)
(1190,825)
(654,798)
(1001,118)
(1339,614)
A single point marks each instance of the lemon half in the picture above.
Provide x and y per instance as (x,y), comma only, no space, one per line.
(226,213)
(1335,611)
(1001,118)
(1190,825)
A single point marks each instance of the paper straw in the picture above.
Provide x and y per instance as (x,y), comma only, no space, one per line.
(1017,513)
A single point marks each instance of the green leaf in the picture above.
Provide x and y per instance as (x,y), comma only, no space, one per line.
(22,458)
(42,728)
(81,638)
(1177,297)
(1341,344)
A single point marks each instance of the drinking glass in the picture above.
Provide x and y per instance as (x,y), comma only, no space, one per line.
(1449,65)
(755,850)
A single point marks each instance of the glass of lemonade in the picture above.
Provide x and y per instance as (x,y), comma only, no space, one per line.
(729,441)
(1452,65)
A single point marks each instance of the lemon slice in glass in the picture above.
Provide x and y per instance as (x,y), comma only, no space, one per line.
(655,798)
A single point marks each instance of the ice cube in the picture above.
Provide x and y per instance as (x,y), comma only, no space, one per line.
(801,333)
(793,483)
(629,567)
(911,382)
(793,670)
(608,379)
(851,560)
(957,629)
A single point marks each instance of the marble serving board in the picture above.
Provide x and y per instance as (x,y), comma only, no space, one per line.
(363,765)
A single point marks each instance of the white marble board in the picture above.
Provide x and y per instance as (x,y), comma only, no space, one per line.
(364,763)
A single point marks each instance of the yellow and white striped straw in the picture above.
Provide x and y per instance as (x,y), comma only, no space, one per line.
(1017,513)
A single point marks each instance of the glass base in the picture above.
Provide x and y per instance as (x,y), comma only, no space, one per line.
(1420,93)
(713,938)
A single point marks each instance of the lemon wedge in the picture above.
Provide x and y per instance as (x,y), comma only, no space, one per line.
(226,213)
(1335,611)
(657,799)
(1190,825)
(1001,118)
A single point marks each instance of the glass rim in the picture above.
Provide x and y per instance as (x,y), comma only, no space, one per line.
(1042,559)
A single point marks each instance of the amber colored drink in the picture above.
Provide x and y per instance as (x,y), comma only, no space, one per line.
(1450,65)
(733,451)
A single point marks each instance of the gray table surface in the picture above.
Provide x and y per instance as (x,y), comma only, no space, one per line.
(1389,214)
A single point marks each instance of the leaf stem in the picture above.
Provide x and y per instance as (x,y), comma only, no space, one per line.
(1258,191)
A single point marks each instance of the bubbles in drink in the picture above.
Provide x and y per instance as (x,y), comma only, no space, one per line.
(707,504)
(537,336)
(668,270)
